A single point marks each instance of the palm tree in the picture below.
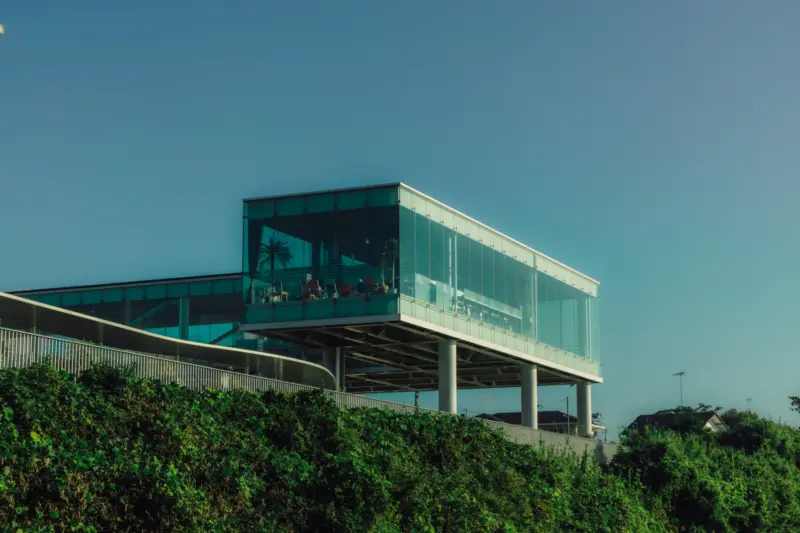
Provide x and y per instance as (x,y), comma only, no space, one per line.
(272,252)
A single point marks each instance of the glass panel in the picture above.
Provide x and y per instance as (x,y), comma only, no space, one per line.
(293,260)
(320,203)
(407,251)
(384,197)
(92,297)
(156,292)
(422,262)
(260,209)
(292,205)
(200,288)
(112,295)
(134,293)
(50,299)
(176,290)
(351,200)
(222,286)
(594,329)
(71,298)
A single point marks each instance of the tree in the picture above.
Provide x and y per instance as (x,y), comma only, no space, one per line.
(795,403)
(272,252)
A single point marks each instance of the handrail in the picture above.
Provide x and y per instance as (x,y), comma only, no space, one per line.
(24,314)
(19,349)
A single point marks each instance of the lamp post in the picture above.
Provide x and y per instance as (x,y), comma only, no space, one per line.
(680,376)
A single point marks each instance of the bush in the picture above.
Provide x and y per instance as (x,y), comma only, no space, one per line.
(745,480)
(112,452)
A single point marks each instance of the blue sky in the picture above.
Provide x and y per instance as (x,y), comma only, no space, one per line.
(652,145)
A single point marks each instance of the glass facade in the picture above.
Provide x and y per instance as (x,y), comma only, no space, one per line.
(459,274)
(390,250)
(321,256)
(199,310)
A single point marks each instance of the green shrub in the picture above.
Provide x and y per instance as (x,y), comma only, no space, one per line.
(112,452)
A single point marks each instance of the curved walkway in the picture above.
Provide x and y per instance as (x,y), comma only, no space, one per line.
(23,314)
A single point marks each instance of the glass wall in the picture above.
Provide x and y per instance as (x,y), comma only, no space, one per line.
(321,256)
(200,310)
(457,273)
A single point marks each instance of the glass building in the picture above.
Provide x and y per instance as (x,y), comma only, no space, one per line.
(390,287)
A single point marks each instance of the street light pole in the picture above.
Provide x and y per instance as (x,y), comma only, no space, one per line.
(680,376)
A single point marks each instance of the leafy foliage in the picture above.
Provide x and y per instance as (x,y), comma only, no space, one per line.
(743,480)
(113,452)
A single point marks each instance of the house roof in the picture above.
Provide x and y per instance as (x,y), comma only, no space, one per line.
(673,420)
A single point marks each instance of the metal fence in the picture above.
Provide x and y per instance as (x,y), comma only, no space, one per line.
(20,349)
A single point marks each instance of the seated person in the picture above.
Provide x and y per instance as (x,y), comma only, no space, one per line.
(361,288)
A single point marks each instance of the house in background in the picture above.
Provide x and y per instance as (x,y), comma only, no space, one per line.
(680,420)
(555,421)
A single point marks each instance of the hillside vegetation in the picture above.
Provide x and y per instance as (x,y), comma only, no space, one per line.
(112,452)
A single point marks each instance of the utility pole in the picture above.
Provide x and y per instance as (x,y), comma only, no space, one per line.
(680,376)
(568,429)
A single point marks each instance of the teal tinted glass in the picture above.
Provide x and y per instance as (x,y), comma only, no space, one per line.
(112,295)
(200,288)
(50,299)
(71,298)
(177,290)
(223,286)
(292,205)
(92,297)
(383,197)
(134,293)
(155,292)
(351,200)
(320,203)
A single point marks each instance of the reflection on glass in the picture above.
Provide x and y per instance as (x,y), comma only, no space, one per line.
(322,256)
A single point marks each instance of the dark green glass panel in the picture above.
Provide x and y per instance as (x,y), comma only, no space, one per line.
(155,292)
(222,286)
(134,293)
(92,297)
(383,197)
(351,200)
(177,290)
(292,205)
(320,203)
(112,295)
(200,288)
(71,298)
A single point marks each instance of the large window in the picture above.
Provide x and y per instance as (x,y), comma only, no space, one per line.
(456,273)
(322,256)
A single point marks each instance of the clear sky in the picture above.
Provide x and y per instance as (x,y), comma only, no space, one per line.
(653,145)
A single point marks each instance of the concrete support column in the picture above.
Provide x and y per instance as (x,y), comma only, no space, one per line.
(333,360)
(584,394)
(183,318)
(530,396)
(448,393)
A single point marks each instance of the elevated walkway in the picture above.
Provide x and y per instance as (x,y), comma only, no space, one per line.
(23,314)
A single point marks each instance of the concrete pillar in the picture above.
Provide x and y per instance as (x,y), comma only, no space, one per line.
(448,393)
(333,360)
(183,318)
(530,396)
(584,394)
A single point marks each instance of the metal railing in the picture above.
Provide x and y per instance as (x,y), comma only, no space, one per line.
(19,349)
